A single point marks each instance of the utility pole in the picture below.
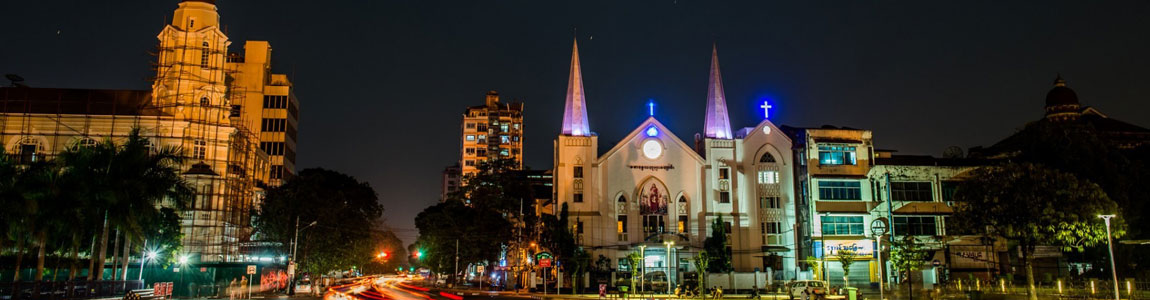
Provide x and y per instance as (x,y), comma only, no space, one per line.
(456,262)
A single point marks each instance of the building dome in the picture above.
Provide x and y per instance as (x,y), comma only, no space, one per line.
(1061,101)
(1060,94)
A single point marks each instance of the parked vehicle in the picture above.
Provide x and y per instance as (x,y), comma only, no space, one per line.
(807,289)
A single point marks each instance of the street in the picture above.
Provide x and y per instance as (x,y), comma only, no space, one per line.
(393,287)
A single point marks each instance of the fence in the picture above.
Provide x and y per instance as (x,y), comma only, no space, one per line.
(1058,289)
(79,289)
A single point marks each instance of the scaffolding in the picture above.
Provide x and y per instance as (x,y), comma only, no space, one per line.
(189,106)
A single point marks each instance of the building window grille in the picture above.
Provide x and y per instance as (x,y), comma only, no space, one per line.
(840,190)
(622,199)
(767,158)
(724,197)
(842,225)
(577,198)
(768,177)
(770,202)
(205,53)
(772,233)
(275,102)
(653,224)
(481,152)
(911,191)
(199,149)
(837,155)
(621,228)
(277,172)
(724,173)
(470,126)
(577,172)
(274,125)
(272,148)
(28,153)
(915,225)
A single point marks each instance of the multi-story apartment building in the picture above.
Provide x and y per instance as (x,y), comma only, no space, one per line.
(491,131)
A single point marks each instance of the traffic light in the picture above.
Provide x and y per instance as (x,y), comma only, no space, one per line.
(382,255)
(418,254)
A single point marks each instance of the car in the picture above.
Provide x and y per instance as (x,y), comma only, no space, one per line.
(807,289)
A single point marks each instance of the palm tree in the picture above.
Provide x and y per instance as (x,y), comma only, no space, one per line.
(125,185)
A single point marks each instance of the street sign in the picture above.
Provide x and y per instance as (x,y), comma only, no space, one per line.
(291,268)
(176,269)
(251,269)
(545,263)
(879,226)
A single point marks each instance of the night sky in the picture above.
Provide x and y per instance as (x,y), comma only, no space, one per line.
(382,83)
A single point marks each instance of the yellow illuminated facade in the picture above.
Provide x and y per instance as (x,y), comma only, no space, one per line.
(213,105)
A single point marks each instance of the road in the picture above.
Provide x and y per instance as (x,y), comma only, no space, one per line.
(396,288)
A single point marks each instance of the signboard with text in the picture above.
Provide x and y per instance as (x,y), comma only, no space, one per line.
(832,247)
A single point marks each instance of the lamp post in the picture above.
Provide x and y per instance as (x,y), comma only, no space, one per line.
(148,255)
(643,265)
(1110,245)
(823,242)
(294,247)
(669,245)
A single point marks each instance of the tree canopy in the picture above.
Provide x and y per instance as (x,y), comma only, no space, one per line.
(1034,206)
(346,213)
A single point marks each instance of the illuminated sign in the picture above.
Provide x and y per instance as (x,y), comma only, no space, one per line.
(832,247)
(766,109)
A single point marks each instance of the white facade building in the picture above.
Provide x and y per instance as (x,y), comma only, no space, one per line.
(655,194)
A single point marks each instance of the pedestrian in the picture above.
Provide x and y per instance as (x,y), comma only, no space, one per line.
(232,290)
(243,288)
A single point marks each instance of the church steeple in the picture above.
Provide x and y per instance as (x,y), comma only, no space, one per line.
(575,110)
(718,124)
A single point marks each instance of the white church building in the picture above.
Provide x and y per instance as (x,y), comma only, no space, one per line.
(655,194)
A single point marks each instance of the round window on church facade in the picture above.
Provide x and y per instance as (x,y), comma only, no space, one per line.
(652,149)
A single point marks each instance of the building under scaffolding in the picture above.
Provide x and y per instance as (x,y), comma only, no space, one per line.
(234,121)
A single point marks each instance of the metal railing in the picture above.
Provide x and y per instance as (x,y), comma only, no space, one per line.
(79,289)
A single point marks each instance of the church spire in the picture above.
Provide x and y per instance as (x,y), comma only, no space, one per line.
(717,124)
(575,111)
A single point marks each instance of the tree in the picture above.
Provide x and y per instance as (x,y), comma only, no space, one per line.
(635,262)
(846,258)
(908,256)
(716,247)
(816,266)
(494,186)
(480,235)
(578,265)
(1033,206)
(345,210)
(702,262)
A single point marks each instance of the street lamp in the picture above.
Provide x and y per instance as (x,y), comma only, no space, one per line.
(643,264)
(294,247)
(1113,272)
(148,255)
(669,245)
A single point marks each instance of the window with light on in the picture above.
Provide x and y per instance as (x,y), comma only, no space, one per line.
(837,155)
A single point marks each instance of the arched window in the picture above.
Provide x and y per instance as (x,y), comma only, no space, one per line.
(622,199)
(682,199)
(767,158)
(204,54)
(205,101)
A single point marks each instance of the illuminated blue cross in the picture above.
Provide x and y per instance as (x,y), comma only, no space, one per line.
(766,110)
(651,107)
